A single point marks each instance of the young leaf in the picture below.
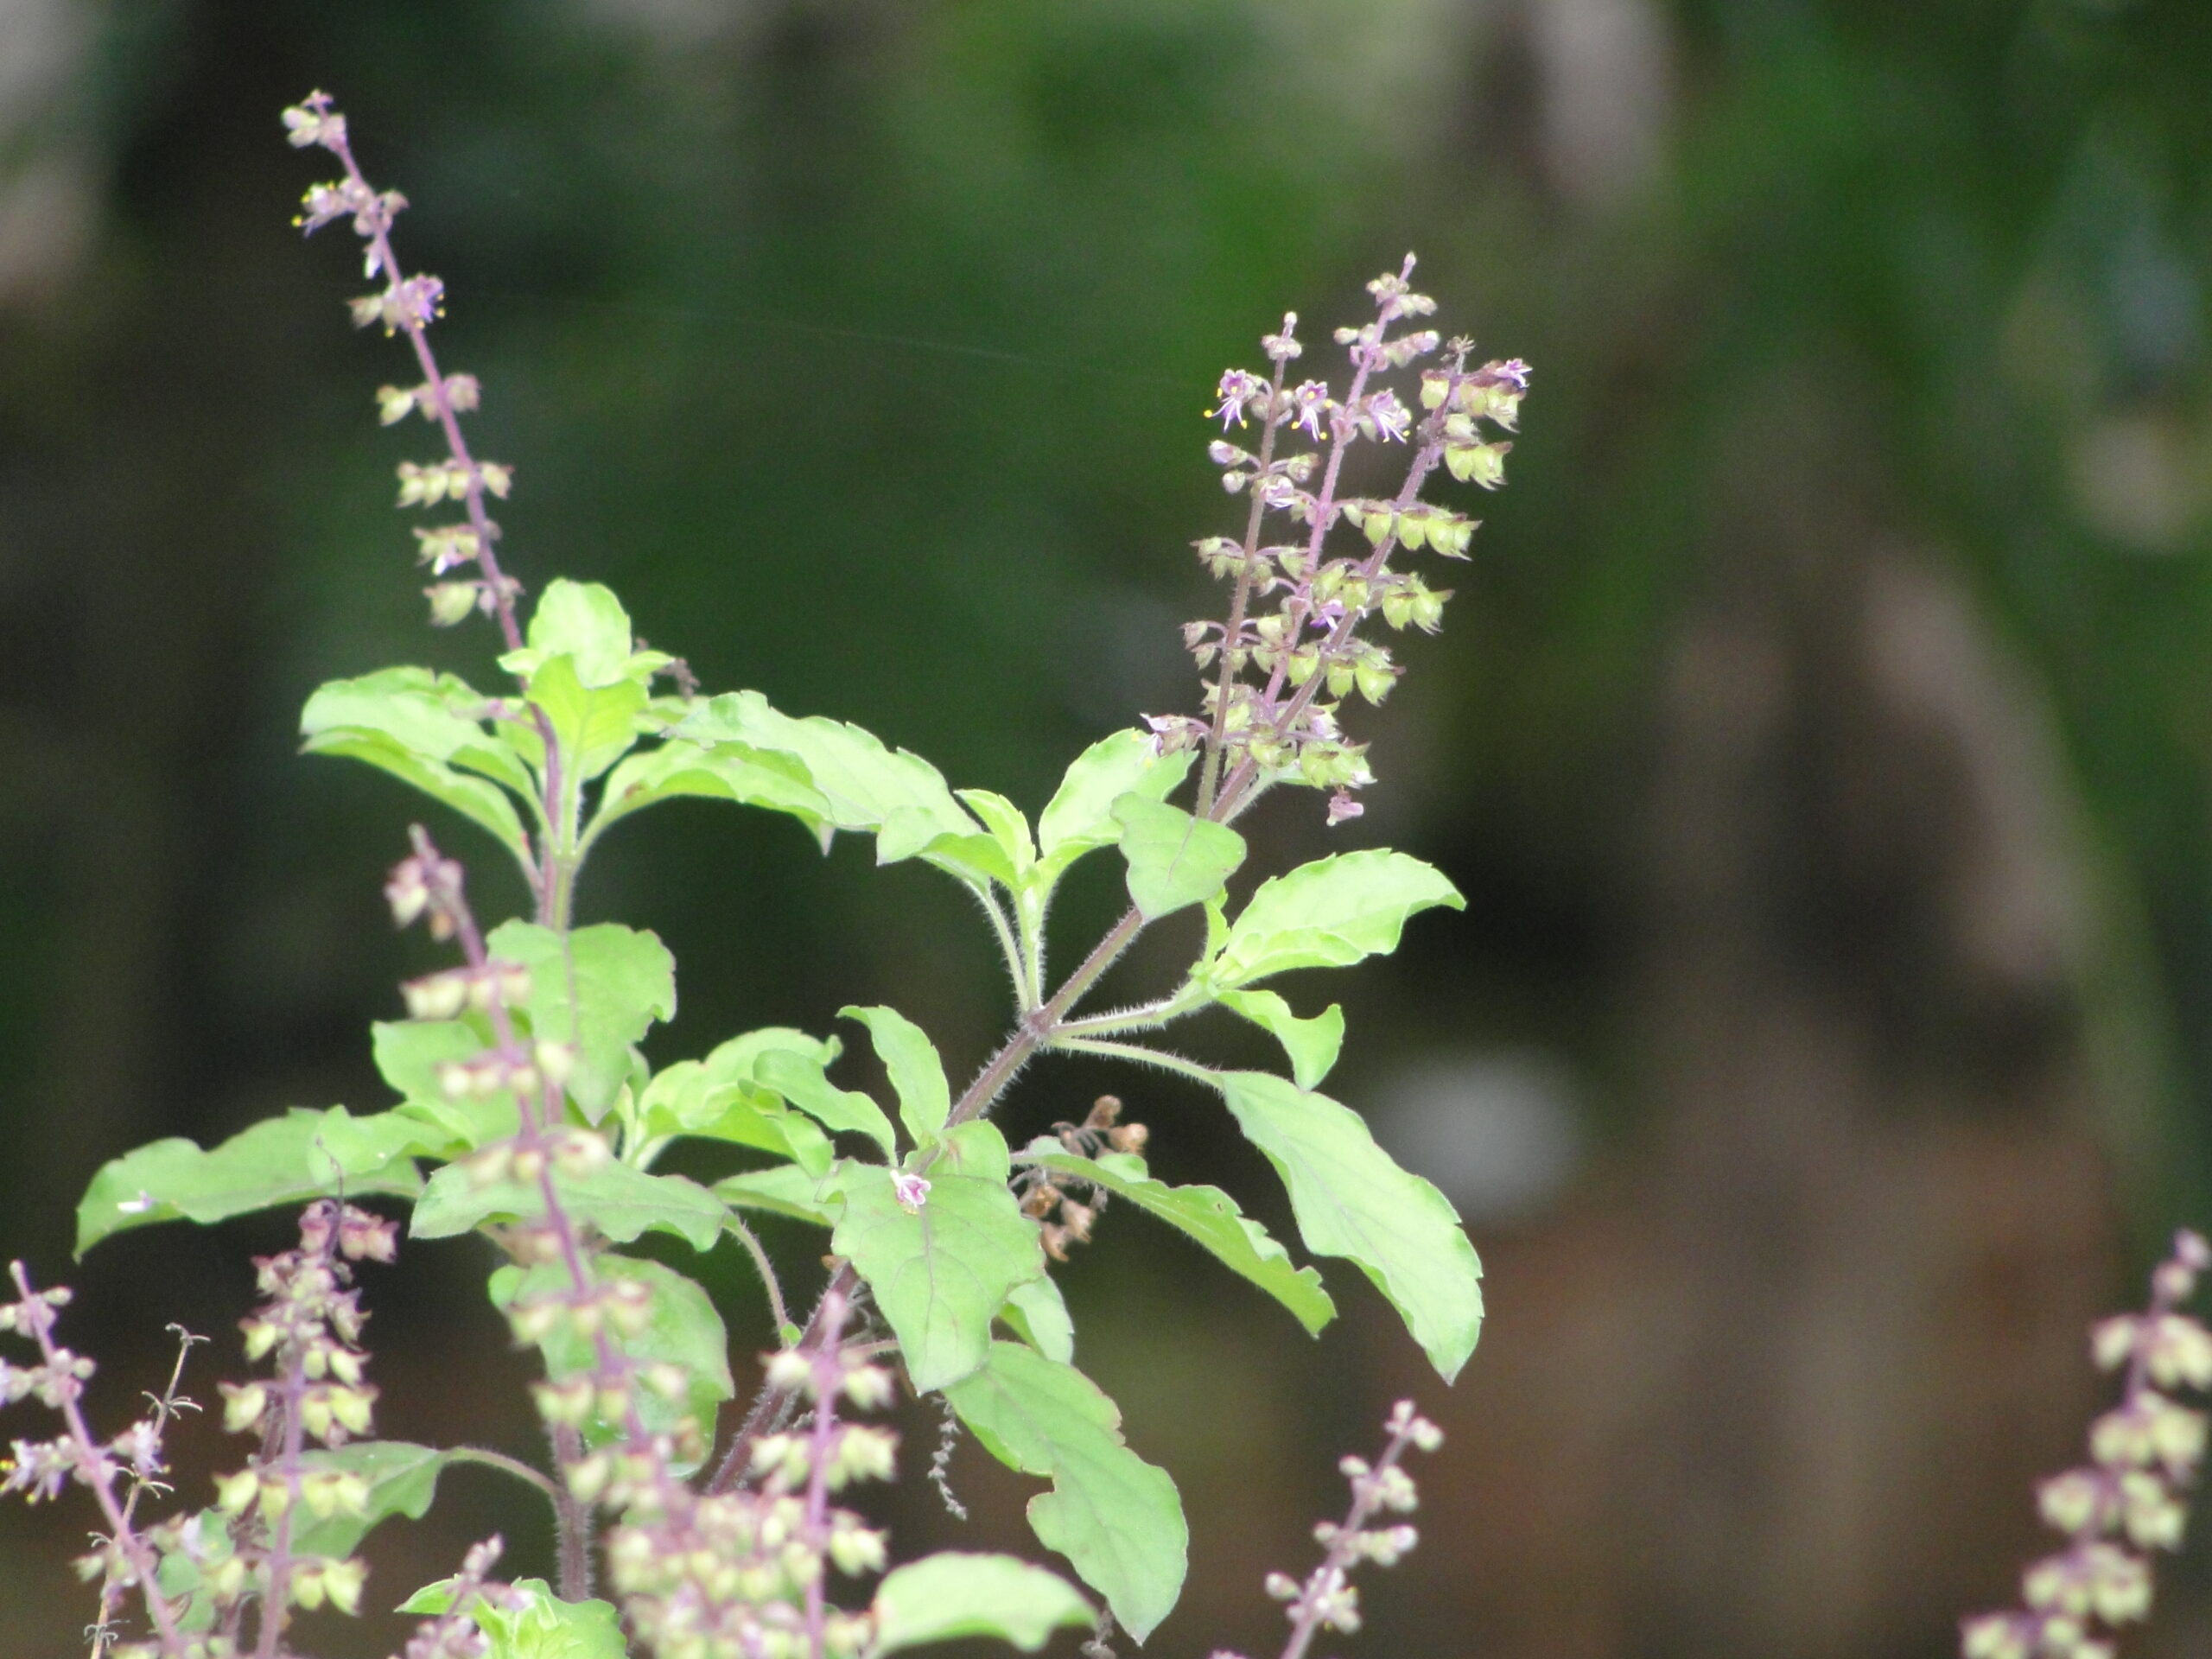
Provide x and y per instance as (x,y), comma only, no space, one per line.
(689,1098)
(1174,859)
(1114,1516)
(1080,816)
(599,994)
(924,1097)
(1327,914)
(1207,1215)
(1352,1200)
(1311,1044)
(620,1201)
(584,622)
(543,1627)
(866,784)
(785,1191)
(1007,828)
(1037,1313)
(799,1078)
(941,1270)
(728,772)
(303,1154)
(945,1597)
(408,1055)
(684,1329)
(595,725)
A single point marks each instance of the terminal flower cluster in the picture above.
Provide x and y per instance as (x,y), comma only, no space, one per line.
(2130,1498)
(1290,650)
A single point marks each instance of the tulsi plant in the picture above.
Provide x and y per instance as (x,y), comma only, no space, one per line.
(527,1114)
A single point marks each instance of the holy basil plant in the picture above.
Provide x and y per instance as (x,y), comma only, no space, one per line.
(524,1113)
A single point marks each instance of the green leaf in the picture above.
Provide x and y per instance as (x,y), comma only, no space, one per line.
(407,722)
(728,772)
(403,1480)
(1327,914)
(1174,859)
(684,1329)
(976,1148)
(595,726)
(691,1098)
(785,1191)
(800,1079)
(600,995)
(289,1159)
(1114,1516)
(924,1097)
(1080,818)
(584,622)
(1037,1313)
(620,1201)
(408,1053)
(1352,1200)
(1311,1044)
(1007,828)
(1206,1214)
(940,1271)
(866,785)
(945,1597)
(543,1627)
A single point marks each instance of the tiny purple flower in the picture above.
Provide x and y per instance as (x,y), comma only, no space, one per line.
(1237,388)
(912,1191)
(1310,405)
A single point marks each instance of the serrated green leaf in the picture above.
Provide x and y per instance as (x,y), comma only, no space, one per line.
(917,1073)
(1353,1200)
(1037,1313)
(475,798)
(600,995)
(683,1330)
(1080,818)
(866,785)
(1207,1214)
(543,1627)
(280,1160)
(585,623)
(595,725)
(945,1597)
(786,1189)
(941,1271)
(1174,859)
(800,1079)
(620,1201)
(1311,1044)
(728,772)
(1327,914)
(436,716)
(1114,1516)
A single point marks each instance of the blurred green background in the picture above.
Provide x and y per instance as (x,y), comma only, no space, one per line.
(1820,733)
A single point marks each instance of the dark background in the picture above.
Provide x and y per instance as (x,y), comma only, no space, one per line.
(1820,734)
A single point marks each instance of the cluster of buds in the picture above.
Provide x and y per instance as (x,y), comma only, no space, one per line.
(742,1574)
(2129,1499)
(409,305)
(1327,1599)
(1289,651)
(1064,1220)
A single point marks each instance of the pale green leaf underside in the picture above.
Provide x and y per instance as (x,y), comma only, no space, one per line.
(1327,914)
(945,1597)
(1114,1516)
(799,1078)
(1311,1044)
(1174,860)
(280,1160)
(1080,816)
(1208,1216)
(787,1191)
(917,1074)
(1353,1200)
(1037,1313)
(940,1272)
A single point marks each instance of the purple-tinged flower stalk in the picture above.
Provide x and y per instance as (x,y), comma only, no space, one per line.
(1327,1599)
(2130,1498)
(1289,651)
(409,305)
